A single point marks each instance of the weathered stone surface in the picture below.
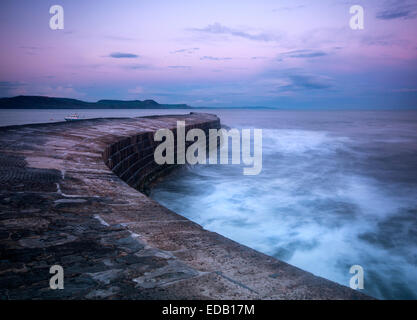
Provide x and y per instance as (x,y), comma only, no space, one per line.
(60,203)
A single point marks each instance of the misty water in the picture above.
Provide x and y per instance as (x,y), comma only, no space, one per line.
(337,189)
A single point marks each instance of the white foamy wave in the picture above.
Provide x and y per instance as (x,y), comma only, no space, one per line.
(315,205)
(300,141)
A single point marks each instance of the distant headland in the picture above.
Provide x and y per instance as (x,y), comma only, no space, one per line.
(42,102)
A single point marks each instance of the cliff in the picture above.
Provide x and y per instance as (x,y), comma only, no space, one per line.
(41,102)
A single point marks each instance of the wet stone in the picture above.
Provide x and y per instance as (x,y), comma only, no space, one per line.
(130,244)
(103,293)
(106,276)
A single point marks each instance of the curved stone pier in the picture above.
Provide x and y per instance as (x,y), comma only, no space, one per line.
(61,203)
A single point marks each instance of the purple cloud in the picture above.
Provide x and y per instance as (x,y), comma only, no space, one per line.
(122,55)
(217,28)
(215,58)
(304,53)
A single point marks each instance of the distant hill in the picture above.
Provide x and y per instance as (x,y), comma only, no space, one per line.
(41,102)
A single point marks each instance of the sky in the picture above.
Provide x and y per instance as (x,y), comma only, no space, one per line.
(217,53)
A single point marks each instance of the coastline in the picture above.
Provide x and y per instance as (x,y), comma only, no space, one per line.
(64,205)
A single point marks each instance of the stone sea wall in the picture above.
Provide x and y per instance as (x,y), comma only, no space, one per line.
(132,158)
(69,196)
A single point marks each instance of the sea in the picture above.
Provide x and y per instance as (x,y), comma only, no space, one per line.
(337,189)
